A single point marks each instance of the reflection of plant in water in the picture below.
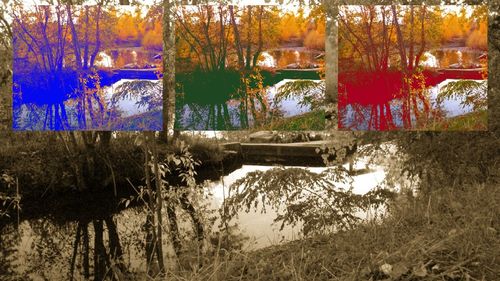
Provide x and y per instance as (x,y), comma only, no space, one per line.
(298,195)
(172,177)
(149,93)
(474,93)
(417,94)
(253,91)
(311,92)
(89,95)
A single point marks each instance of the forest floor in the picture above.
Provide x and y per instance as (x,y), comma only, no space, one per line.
(453,234)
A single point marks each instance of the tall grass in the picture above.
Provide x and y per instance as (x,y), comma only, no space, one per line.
(451,234)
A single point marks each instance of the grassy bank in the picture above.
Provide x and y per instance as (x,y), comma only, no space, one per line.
(42,173)
(474,121)
(452,234)
(310,121)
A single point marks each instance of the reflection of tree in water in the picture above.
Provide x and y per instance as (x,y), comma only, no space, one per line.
(369,95)
(207,117)
(207,95)
(108,262)
(311,93)
(90,254)
(28,88)
(8,252)
(382,113)
(54,102)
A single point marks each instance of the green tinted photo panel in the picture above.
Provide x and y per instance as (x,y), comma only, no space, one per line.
(250,67)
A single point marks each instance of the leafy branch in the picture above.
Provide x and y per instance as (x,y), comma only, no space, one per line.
(149,93)
(317,200)
(473,92)
(310,91)
(8,202)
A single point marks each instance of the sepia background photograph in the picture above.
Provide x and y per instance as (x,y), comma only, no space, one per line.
(82,201)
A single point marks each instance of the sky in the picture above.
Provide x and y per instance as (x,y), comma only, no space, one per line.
(29,4)
(283,8)
(456,9)
(445,8)
(286,8)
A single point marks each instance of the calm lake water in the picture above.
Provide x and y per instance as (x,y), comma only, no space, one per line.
(42,249)
(445,58)
(289,58)
(357,116)
(199,117)
(227,115)
(450,107)
(123,108)
(127,57)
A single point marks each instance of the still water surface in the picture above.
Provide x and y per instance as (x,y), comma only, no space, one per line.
(42,249)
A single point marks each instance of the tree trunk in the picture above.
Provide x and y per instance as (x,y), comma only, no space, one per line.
(86,40)
(237,39)
(259,48)
(150,244)
(74,37)
(404,68)
(422,36)
(152,206)
(249,38)
(168,73)
(401,43)
(97,36)
(412,43)
(159,203)
(331,57)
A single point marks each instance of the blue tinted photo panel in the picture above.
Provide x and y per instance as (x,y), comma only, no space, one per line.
(87,68)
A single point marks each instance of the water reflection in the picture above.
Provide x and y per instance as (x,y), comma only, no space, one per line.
(125,105)
(229,99)
(463,57)
(234,113)
(69,99)
(293,58)
(389,100)
(119,246)
(261,227)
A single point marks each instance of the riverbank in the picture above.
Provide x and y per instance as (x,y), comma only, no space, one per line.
(473,121)
(44,177)
(313,121)
(453,234)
